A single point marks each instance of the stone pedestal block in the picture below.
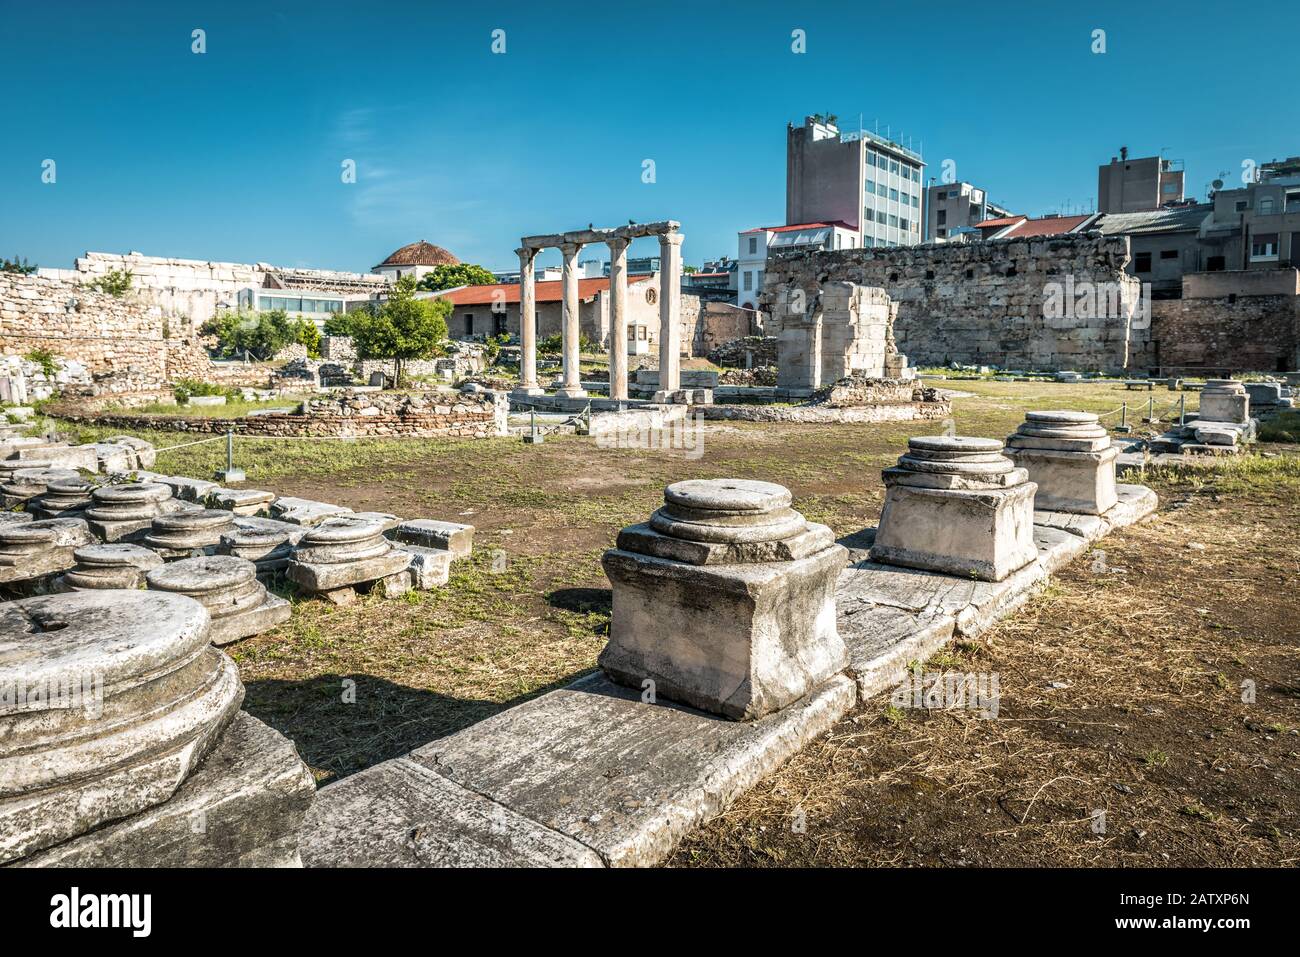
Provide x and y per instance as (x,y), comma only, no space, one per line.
(126,512)
(228,588)
(956,504)
(31,550)
(267,548)
(725,600)
(305,511)
(117,697)
(189,534)
(344,552)
(108,566)
(1224,400)
(241,501)
(429,533)
(1069,456)
(242,807)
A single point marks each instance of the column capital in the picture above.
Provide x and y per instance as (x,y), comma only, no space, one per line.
(570,249)
(617,244)
(526,253)
(671,239)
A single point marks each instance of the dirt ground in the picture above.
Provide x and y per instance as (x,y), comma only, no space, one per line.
(1119,691)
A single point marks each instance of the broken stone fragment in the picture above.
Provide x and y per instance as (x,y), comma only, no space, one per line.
(430,533)
(228,588)
(342,552)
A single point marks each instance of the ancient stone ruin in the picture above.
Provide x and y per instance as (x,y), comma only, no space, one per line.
(957,505)
(725,600)
(341,553)
(229,589)
(108,566)
(126,512)
(1070,457)
(124,745)
(32,550)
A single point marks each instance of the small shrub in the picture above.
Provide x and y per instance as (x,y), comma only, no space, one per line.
(115,282)
(45,359)
(183,389)
(554,345)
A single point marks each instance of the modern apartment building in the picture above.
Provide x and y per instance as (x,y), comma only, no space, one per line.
(867,183)
(954,209)
(1136,185)
(1256,226)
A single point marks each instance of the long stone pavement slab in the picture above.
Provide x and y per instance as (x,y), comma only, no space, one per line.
(591,774)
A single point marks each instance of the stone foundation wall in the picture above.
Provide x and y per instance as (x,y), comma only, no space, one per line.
(747,352)
(356,414)
(987,302)
(127,344)
(1226,335)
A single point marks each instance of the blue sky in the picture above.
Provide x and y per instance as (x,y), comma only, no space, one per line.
(236,154)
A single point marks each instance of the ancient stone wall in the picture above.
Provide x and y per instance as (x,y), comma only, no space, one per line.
(357,414)
(128,345)
(990,302)
(1226,335)
(709,325)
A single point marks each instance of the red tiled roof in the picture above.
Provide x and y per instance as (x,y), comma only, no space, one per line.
(1048,226)
(999,223)
(548,291)
(786,229)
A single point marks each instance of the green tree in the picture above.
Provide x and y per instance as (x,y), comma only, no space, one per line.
(449,276)
(20,266)
(403,328)
(259,334)
(306,333)
(338,324)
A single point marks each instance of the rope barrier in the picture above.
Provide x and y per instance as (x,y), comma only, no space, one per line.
(185,445)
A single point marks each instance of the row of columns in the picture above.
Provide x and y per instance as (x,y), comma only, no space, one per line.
(670,288)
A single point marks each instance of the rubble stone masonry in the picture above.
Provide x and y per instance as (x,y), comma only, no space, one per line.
(128,345)
(989,302)
(346,413)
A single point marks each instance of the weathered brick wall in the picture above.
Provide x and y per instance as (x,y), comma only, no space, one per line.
(984,303)
(1226,335)
(359,414)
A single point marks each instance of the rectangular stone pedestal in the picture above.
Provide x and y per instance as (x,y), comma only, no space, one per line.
(1080,482)
(242,807)
(319,577)
(273,611)
(985,535)
(737,640)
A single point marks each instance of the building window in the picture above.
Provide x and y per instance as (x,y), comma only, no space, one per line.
(942,233)
(1169,254)
(1265,206)
(1293,200)
(1241,205)
(916,201)
(871,186)
(893,195)
(893,167)
(943,217)
(753,245)
(1142,263)
(749,280)
(867,215)
(1263,246)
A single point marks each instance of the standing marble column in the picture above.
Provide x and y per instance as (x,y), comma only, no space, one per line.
(571,329)
(618,319)
(670,308)
(527,324)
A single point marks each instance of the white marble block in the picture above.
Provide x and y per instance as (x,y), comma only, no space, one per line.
(725,600)
(956,504)
(1069,456)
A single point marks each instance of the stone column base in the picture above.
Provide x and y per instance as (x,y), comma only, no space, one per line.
(985,534)
(1082,483)
(573,392)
